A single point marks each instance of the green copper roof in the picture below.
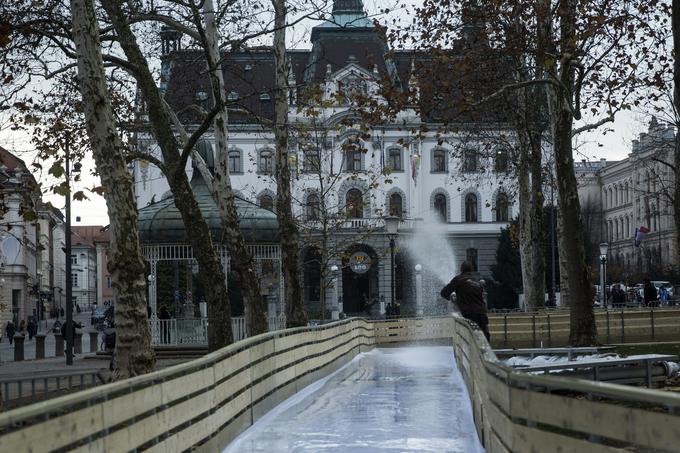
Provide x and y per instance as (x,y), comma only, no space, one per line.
(161,222)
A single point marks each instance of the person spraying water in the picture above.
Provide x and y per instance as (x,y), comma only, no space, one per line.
(469,297)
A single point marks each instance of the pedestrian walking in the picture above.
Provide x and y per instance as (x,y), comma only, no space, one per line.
(650,294)
(469,297)
(22,327)
(10,330)
(32,328)
(663,295)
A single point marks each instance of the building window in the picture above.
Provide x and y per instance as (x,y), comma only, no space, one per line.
(312,162)
(354,204)
(266,162)
(394,160)
(396,208)
(353,160)
(232,96)
(235,161)
(108,281)
(74,259)
(501,160)
(471,257)
(313,207)
(471,207)
(74,280)
(469,161)
(502,208)
(438,161)
(267,202)
(440,207)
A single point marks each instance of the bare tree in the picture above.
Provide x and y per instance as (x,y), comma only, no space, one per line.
(134,354)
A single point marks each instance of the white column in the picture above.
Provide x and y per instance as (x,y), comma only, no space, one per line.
(336,306)
(419,290)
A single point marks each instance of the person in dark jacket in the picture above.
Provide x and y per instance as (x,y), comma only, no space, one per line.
(10,330)
(469,297)
(650,294)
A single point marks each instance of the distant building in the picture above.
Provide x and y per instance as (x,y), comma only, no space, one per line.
(19,198)
(51,259)
(629,194)
(89,245)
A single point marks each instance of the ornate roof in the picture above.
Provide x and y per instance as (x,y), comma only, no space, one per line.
(161,222)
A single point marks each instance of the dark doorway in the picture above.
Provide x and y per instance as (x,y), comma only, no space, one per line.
(359,286)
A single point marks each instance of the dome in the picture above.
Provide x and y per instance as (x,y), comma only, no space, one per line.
(161,222)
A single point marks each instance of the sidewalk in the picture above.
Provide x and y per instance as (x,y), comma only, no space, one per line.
(7,350)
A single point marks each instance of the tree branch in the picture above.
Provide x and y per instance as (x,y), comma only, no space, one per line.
(132,156)
(589,127)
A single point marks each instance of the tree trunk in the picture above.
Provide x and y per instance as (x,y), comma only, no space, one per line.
(676,102)
(583,331)
(197,230)
(536,231)
(241,260)
(134,354)
(288,231)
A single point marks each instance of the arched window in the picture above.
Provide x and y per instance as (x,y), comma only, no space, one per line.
(353,158)
(502,206)
(501,160)
(396,208)
(438,161)
(604,198)
(354,204)
(313,207)
(469,161)
(267,202)
(312,162)
(235,161)
(471,207)
(266,162)
(616,229)
(440,207)
(394,160)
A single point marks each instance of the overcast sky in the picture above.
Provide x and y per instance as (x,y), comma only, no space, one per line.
(614,145)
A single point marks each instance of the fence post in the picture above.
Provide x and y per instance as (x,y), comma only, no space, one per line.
(40,346)
(505,330)
(533,330)
(18,347)
(608,331)
(651,316)
(58,345)
(549,333)
(94,341)
(623,327)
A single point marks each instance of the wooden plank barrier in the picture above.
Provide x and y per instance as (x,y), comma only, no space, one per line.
(518,412)
(200,405)
(204,404)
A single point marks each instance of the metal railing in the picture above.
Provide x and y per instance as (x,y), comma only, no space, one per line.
(18,391)
(194,331)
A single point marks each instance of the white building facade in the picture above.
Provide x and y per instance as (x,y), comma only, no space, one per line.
(631,194)
(343,170)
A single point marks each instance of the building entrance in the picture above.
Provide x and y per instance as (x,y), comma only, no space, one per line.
(360,281)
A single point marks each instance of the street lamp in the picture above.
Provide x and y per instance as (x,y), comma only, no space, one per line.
(603,271)
(391,225)
(69,277)
(335,312)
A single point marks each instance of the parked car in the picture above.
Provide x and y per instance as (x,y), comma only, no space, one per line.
(102,318)
(666,284)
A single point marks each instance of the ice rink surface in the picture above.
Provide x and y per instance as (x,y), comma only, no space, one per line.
(410,399)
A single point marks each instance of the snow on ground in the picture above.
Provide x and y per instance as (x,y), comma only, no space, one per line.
(541,360)
(410,399)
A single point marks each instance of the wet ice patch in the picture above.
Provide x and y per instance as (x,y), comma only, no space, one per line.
(386,400)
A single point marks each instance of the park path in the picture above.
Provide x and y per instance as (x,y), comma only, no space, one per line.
(410,399)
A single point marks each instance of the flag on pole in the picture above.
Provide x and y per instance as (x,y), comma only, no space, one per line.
(640,234)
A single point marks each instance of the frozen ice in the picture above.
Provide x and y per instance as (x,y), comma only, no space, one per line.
(410,399)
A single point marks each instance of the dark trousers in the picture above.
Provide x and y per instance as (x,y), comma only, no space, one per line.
(482,321)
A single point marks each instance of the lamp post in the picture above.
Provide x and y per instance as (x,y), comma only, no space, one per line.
(335,312)
(603,271)
(419,290)
(69,277)
(391,225)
